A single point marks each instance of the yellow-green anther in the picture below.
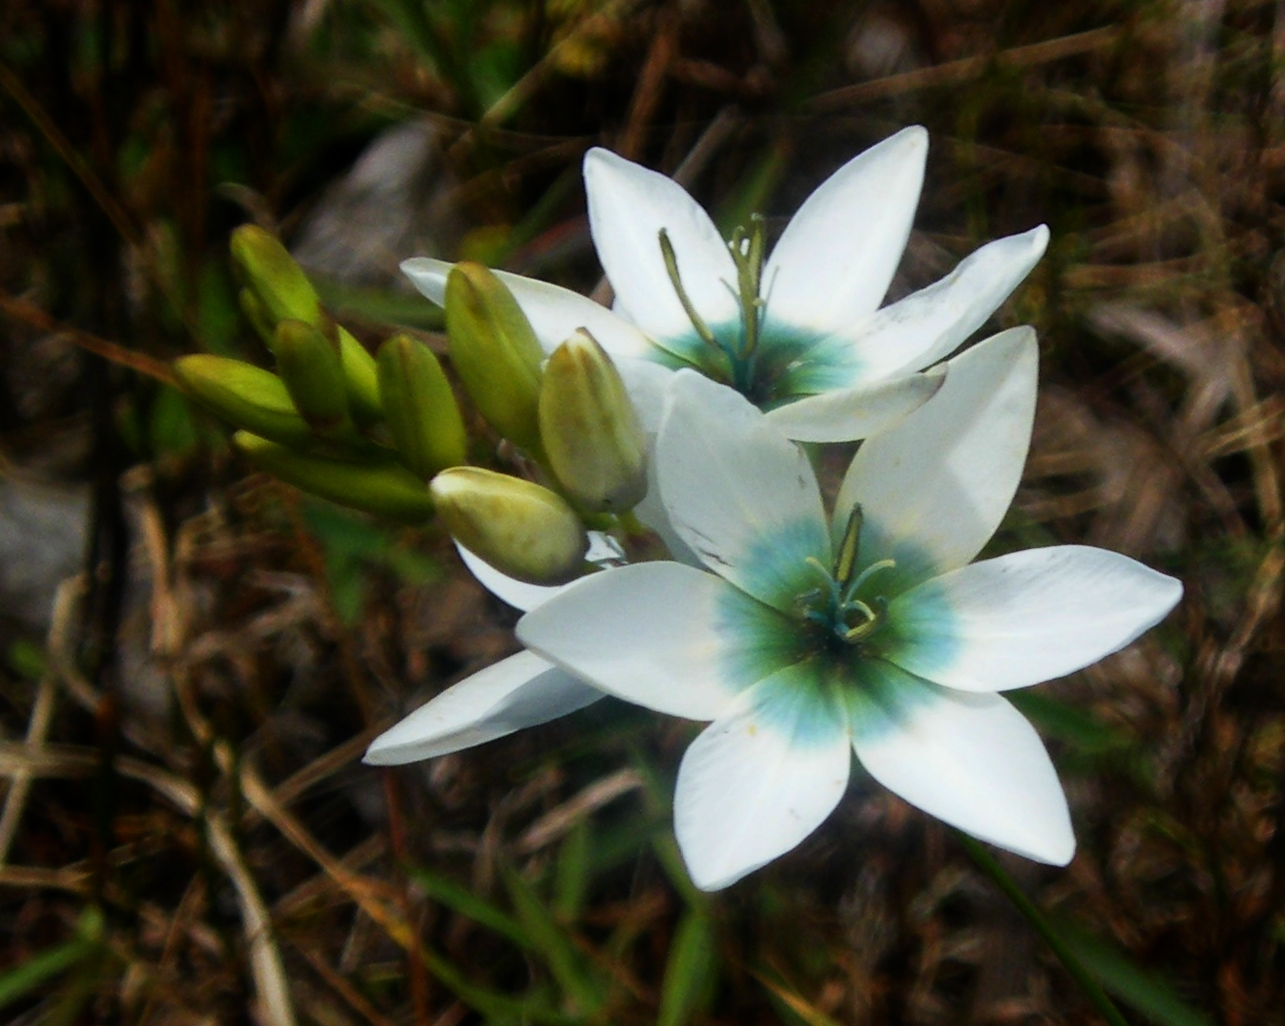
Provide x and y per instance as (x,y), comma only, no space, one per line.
(419,407)
(590,431)
(495,352)
(278,282)
(310,367)
(361,378)
(671,268)
(520,528)
(383,488)
(847,558)
(244,395)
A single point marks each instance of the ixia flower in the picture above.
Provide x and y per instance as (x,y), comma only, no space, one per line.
(800,332)
(806,638)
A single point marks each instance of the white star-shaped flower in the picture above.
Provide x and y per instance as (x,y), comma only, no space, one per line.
(799,332)
(806,638)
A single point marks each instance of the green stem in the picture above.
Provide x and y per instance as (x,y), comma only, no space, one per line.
(991,867)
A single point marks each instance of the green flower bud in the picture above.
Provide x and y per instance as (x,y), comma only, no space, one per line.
(383,488)
(280,285)
(361,379)
(495,352)
(520,528)
(244,395)
(420,407)
(278,291)
(589,428)
(257,315)
(310,367)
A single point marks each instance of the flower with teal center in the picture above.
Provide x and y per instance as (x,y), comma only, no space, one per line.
(806,638)
(798,331)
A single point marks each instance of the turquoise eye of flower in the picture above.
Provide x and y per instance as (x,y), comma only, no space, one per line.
(751,355)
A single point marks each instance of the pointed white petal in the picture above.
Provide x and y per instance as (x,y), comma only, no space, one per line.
(429,276)
(1026,617)
(518,594)
(970,760)
(848,414)
(832,265)
(628,206)
(932,323)
(934,487)
(660,635)
(738,492)
(759,780)
(555,313)
(521,691)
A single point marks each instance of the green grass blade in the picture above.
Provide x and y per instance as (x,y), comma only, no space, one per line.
(1146,992)
(690,973)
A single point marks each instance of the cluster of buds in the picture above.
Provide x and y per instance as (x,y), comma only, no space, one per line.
(385,434)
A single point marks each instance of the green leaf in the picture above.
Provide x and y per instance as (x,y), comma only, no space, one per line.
(554,944)
(53,962)
(690,973)
(1147,992)
(573,870)
(466,903)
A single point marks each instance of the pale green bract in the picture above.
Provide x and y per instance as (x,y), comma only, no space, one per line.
(798,331)
(806,638)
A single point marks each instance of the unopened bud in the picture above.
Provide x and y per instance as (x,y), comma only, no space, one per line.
(244,395)
(279,290)
(419,407)
(309,366)
(361,380)
(520,528)
(495,352)
(257,315)
(280,285)
(383,488)
(589,428)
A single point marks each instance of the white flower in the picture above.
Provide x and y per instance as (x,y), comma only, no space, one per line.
(520,691)
(800,333)
(806,639)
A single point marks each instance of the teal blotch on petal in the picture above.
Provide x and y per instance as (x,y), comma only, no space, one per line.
(880,698)
(777,567)
(766,379)
(801,702)
(757,640)
(915,564)
(823,365)
(924,622)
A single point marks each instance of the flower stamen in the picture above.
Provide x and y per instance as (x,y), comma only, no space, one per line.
(671,268)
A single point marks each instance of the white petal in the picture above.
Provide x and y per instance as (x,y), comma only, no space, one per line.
(555,313)
(646,383)
(518,594)
(832,265)
(970,760)
(846,415)
(628,206)
(738,492)
(758,781)
(932,323)
(1027,617)
(647,633)
(521,691)
(934,487)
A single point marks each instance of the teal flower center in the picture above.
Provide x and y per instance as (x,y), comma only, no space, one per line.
(741,354)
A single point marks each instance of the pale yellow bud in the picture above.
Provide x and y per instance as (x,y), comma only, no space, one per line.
(589,428)
(520,528)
